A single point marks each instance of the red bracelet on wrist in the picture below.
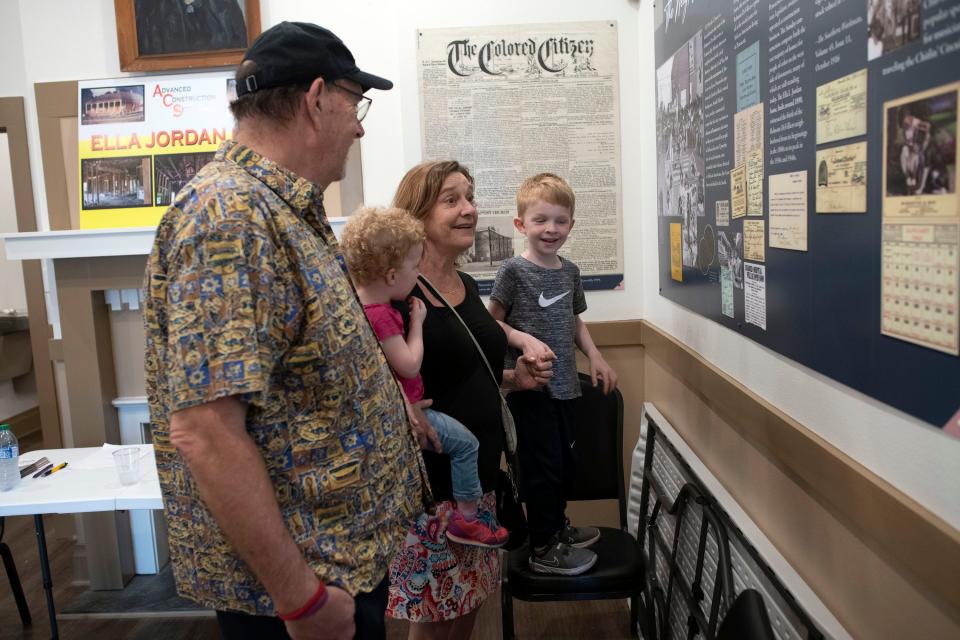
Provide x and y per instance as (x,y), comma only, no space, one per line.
(311,606)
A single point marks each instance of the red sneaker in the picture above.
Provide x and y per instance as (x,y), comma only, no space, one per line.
(475,533)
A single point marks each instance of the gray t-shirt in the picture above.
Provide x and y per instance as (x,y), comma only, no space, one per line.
(544,303)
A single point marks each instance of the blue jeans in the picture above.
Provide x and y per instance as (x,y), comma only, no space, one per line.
(462,447)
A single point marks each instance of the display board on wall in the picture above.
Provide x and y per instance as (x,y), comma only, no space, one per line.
(807,186)
(142,139)
(513,101)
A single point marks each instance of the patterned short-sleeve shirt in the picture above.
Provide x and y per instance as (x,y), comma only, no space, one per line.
(246,295)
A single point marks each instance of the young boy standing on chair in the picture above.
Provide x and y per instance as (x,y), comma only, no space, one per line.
(540,293)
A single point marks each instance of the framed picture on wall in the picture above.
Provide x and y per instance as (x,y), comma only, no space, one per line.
(161,35)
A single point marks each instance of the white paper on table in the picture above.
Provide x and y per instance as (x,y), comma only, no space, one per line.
(102,458)
(27,459)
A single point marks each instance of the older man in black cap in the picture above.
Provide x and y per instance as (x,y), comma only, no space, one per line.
(288,467)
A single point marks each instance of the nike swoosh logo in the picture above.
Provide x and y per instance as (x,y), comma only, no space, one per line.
(572,444)
(546,302)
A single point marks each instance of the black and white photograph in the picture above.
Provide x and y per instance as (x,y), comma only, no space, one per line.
(172,172)
(492,244)
(892,24)
(680,134)
(116,183)
(690,240)
(921,148)
(730,252)
(103,105)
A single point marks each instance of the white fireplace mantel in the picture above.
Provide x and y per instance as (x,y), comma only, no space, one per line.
(90,243)
(86,243)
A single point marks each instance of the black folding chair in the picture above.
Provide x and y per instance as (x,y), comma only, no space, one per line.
(620,571)
(747,619)
(691,594)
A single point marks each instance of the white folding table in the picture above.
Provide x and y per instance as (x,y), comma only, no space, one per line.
(88,483)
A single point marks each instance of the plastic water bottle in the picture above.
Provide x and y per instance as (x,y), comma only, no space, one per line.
(9,459)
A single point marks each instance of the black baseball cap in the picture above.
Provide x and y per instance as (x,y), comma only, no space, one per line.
(299,52)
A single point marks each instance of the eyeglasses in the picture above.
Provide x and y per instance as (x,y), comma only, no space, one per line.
(363,106)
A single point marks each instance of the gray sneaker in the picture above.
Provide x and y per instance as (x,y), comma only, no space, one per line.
(562,559)
(579,537)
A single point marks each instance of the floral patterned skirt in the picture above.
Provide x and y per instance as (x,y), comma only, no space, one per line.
(433,579)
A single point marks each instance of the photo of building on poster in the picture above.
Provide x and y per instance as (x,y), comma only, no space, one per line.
(172,172)
(492,244)
(103,105)
(680,133)
(116,183)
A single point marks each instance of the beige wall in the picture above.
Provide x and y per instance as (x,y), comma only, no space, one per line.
(18,395)
(13,295)
(126,331)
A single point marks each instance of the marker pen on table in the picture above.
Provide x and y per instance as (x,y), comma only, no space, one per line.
(56,468)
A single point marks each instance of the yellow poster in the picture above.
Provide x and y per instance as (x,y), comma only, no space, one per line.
(842,108)
(676,253)
(142,139)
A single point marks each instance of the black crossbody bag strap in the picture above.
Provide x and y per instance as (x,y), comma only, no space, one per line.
(509,428)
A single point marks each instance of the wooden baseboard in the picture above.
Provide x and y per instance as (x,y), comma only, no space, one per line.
(24,423)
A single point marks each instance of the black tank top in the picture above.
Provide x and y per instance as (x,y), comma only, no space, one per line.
(457,381)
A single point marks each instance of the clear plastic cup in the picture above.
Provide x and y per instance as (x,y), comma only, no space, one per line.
(127,463)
